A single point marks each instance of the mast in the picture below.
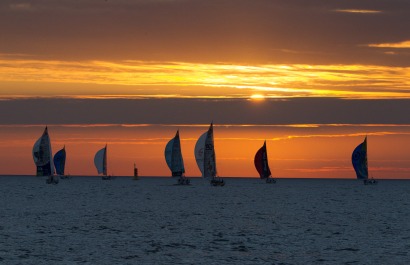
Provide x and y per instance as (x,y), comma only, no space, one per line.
(105,161)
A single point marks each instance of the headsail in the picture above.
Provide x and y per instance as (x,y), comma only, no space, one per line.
(59,161)
(42,155)
(173,156)
(100,161)
(200,152)
(205,154)
(359,160)
(261,162)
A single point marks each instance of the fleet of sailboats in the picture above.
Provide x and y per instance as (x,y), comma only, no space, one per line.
(359,161)
(175,162)
(262,165)
(205,157)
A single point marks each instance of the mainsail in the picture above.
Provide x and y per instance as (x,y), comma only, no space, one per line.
(359,160)
(205,154)
(100,161)
(173,156)
(261,162)
(59,161)
(42,155)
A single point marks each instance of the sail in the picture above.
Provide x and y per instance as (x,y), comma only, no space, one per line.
(100,161)
(205,154)
(42,155)
(359,160)
(199,152)
(59,161)
(261,162)
(173,156)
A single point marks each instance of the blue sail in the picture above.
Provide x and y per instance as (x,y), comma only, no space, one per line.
(173,156)
(59,161)
(359,160)
(42,155)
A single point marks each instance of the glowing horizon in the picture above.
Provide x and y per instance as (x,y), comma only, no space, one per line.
(294,151)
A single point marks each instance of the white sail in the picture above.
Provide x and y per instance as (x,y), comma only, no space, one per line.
(42,155)
(100,161)
(36,150)
(205,154)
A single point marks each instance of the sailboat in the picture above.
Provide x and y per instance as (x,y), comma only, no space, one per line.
(59,163)
(42,156)
(100,162)
(135,173)
(359,161)
(175,162)
(261,164)
(205,157)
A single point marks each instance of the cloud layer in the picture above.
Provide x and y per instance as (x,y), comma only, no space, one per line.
(239,31)
(203,111)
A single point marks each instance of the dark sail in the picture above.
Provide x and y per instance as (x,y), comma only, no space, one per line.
(42,155)
(59,161)
(359,160)
(261,162)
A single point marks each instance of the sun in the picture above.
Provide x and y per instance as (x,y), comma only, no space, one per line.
(258,97)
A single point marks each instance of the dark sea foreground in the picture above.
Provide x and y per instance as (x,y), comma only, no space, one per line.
(85,220)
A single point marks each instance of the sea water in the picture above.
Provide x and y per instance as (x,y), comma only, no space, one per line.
(85,220)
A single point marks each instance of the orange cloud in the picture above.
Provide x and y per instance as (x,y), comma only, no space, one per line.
(358,11)
(127,79)
(395,45)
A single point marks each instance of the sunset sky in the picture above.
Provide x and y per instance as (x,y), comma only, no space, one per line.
(313,78)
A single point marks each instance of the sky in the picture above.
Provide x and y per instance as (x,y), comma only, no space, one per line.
(313,78)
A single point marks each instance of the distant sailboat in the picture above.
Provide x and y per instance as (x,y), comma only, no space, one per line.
(42,156)
(359,161)
(205,157)
(175,162)
(100,162)
(135,173)
(261,164)
(59,163)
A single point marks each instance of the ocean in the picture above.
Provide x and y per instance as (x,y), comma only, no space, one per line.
(85,220)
